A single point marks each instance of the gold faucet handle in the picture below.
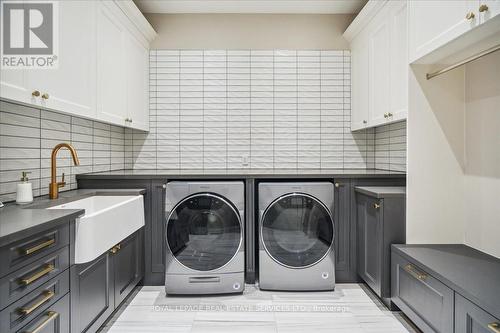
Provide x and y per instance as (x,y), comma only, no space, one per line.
(62,182)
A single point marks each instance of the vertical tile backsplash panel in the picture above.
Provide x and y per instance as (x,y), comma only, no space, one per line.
(250,109)
(27,136)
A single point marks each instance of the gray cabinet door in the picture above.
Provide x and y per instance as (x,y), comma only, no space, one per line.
(469,318)
(424,299)
(157,249)
(370,217)
(92,294)
(341,211)
(128,269)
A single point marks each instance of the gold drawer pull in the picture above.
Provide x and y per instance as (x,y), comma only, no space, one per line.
(38,247)
(415,273)
(48,268)
(494,327)
(376,205)
(51,315)
(47,295)
(115,248)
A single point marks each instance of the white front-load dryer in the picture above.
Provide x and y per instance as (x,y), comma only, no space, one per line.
(296,236)
(204,237)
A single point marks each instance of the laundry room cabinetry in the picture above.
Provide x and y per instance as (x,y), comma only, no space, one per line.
(448,288)
(448,32)
(102,69)
(380,216)
(98,287)
(378,40)
(70,86)
(122,70)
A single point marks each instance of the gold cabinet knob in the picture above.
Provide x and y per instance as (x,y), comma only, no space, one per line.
(470,16)
(364,121)
(376,206)
(35,93)
(483,8)
(45,96)
(386,115)
(389,114)
(337,185)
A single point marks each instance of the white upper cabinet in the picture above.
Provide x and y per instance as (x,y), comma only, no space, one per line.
(70,87)
(103,66)
(359,80)
(378,38)
(379,64)
(137,84)
(122,69)
(434,23)
(448,31)
(398,108)
(111,66)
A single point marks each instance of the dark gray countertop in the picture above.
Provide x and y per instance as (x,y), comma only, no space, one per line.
(16,221)
(472,273)
(242,173)
(382,191)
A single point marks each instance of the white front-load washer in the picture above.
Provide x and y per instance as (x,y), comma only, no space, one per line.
(296,236)
(204,237)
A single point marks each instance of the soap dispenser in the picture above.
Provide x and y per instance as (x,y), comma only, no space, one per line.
(24,190)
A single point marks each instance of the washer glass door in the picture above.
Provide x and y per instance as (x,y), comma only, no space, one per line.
(297,230)
(204,232)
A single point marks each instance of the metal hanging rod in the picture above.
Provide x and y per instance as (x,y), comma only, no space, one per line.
(463,62)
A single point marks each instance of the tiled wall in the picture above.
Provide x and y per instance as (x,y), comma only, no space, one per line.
(390,147)
(243,109)
(27,136)
(248,109)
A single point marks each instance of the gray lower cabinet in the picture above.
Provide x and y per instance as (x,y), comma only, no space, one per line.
(98,287)
(128,266)
(92,294)
(422,298)
(380,223)
(469,318)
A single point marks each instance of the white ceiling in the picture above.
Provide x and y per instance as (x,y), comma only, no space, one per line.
(252,6)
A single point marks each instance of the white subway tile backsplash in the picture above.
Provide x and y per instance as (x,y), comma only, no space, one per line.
(277,108)
(27,136)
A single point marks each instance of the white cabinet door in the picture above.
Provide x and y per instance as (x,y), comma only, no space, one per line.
(71,87)
(434,23)
(13,86)
(489,9)
(111,65)
(398,109)
(359,79)
(137,84)
(379,70)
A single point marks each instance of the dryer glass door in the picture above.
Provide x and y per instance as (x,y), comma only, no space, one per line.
(297,230)
(204,232)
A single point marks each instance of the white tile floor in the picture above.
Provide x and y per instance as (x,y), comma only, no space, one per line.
(351,308)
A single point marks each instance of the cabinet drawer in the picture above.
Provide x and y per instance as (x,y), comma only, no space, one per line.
(32,276)
(55,319)
(25,309)
(469,318)
(25,251)
(424,299)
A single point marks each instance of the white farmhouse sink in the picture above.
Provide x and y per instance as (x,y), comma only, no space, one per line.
(106,222)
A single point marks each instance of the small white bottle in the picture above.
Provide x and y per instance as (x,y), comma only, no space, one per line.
(24,193)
